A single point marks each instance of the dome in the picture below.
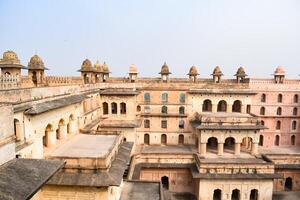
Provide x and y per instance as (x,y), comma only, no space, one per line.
(217,71)
(133,69)
(241,72)
(36,63)
(165,69)
(105,68)
(279,71)
(86,64)
(97,65)
(10,57)
(193,71)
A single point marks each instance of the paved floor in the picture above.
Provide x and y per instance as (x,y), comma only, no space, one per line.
(286,195)
(280,150)
(177,196)
(140,191)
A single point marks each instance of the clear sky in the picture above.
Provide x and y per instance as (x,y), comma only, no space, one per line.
(257,34)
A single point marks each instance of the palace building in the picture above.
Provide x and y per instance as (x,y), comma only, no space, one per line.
(96,136)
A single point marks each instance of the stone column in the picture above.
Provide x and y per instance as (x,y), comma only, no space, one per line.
(214,108)
(254,149)
(62,131)
(220,149)
(203,149)
(51,138)
(237,148)
(229,108)
(244,108)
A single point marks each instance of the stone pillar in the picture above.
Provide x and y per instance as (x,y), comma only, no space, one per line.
(237,148)
(220,149)
(62,131)
(247,143)
(202,149)
(229,108)
(72,127)
(254,149)
(244,108)
(214,108)
(51,138)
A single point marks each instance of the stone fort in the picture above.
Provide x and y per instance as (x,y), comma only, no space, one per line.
(96,136)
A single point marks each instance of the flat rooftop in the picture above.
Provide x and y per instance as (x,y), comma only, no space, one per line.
(280,150)
(137,190)
(86,146)
(180,149)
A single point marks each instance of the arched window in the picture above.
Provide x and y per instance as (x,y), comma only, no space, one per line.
(279,98)
(182,98)
(164,139)
(262,111)
(147,109)
(222,106)
(235,195)
(114,108)
(277,140)
(254,194)
(279,111)
(123,108)
(164,109)
(181,110)
(164,97)
(261,140)
(105,108)
(181,139)
(164,123)
(262,122)
(147,97)
(217,194)
(296,98)
(212,143)
(293,140)
(288,185)
(294,125)
(229,144)
(181,124)
(86,79)
(263,98)
(138,108)
(278,125)
(146,123)
(237,106)
(207,106)
(295,111)
(146,139)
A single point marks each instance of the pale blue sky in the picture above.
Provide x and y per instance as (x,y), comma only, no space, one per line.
(258,34)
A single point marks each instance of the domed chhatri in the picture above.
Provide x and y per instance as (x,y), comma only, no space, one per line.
(279,71)
(97,66)
(193,71)
(133,69)
(10,57)
(217,71)
(105,68)
(241,72)
(86,64)
(165,69)
(36,63)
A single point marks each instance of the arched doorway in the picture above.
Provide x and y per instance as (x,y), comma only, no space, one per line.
(222,106)
(212,144)
(164,139)
(49,137)
(237,106)
(165,182)
(85,78)
(261,140)
(217,194)
(146,139)
(288,185)
(181,139)
(229,144)
(277,140)
(70,124)
(235,194)
(246,144)
(105,108)
(293,140)
(254,194)
(18,130)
